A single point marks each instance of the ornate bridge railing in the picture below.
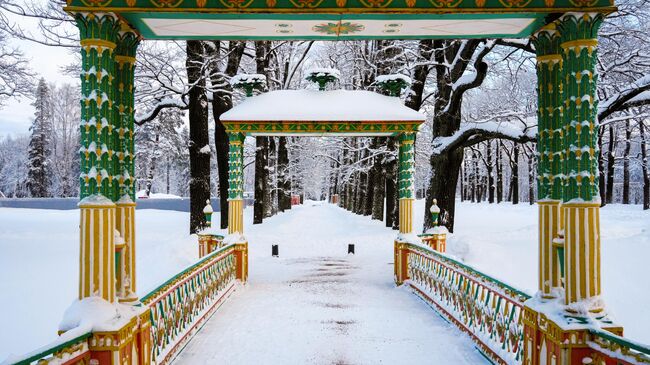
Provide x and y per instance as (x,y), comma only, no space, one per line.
(178,308)
(485,308)
(182,304)
(491,312)
(72,351)
(612,349)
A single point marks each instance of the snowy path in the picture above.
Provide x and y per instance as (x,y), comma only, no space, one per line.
(317,305)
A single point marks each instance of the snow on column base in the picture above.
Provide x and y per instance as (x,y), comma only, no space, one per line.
(120,332)
(551,332)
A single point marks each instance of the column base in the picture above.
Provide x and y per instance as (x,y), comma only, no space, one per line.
(208,243)
(551,336)
(126,338)
(241,255)
(401,262)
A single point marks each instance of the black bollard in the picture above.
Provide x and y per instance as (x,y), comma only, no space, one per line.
(274,251)
(351,248)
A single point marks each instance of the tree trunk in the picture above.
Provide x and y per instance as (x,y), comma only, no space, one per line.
(644,166)
(499,173)
(626,163)
(152,169)
(610,164)
(601,168)
(531,179)
(490,167)
(167,171)
(475,192)
(272,208)
(514,185)
(390,168)
(284,185)
(261,148)
(198,120)
(444,189)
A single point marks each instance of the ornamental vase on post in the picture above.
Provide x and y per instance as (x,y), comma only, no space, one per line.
(435,213)
(208,213)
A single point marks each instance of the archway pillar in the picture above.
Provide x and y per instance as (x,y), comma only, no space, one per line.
(406,186)
(406,181)
(550,152)
(557,320)
(236,183)
(107,208)
(236,204)
(124,166)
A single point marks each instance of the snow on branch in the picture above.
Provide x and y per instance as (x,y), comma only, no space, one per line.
(140,119)
(513,126)
(637,94)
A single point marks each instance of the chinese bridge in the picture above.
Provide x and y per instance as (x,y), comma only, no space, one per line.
(564,323)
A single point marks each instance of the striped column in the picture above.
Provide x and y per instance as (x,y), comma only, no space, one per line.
(550,154)
(98,185)
(125,225)
(124,167)
(97,249)
(582,252)
(236,183)
(578,32)
(406,181)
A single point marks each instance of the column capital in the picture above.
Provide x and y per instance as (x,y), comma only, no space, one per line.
(579,26)
(98,26)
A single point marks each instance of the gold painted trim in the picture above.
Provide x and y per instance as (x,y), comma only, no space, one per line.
(338,11)
(549,58)
(580,43)
(97,42)
(581,205)
(548,202)
(125,59)
(105,206)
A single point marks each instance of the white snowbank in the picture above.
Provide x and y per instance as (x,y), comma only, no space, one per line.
(312,105)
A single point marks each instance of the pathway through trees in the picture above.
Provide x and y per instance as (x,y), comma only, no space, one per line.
(317,305)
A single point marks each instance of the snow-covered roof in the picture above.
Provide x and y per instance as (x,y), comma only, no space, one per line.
(322,106)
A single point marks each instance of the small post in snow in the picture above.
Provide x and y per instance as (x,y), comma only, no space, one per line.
(275,251)
(208,213)
(351,248)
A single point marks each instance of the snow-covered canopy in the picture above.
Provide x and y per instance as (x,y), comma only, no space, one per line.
(322,106)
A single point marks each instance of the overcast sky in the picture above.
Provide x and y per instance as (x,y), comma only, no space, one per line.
(16,115)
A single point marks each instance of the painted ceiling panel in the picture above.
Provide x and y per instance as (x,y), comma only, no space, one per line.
(332,26)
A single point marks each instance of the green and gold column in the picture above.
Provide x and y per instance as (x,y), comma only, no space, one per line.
(550,153)
(98,34)
(124,167)
(236,183)
(406,183)
(581,198)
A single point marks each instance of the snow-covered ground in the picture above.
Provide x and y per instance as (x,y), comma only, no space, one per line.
(39,267)
(39,259)
(316,304)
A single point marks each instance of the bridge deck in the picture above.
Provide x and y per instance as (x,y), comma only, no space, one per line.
(317,305)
